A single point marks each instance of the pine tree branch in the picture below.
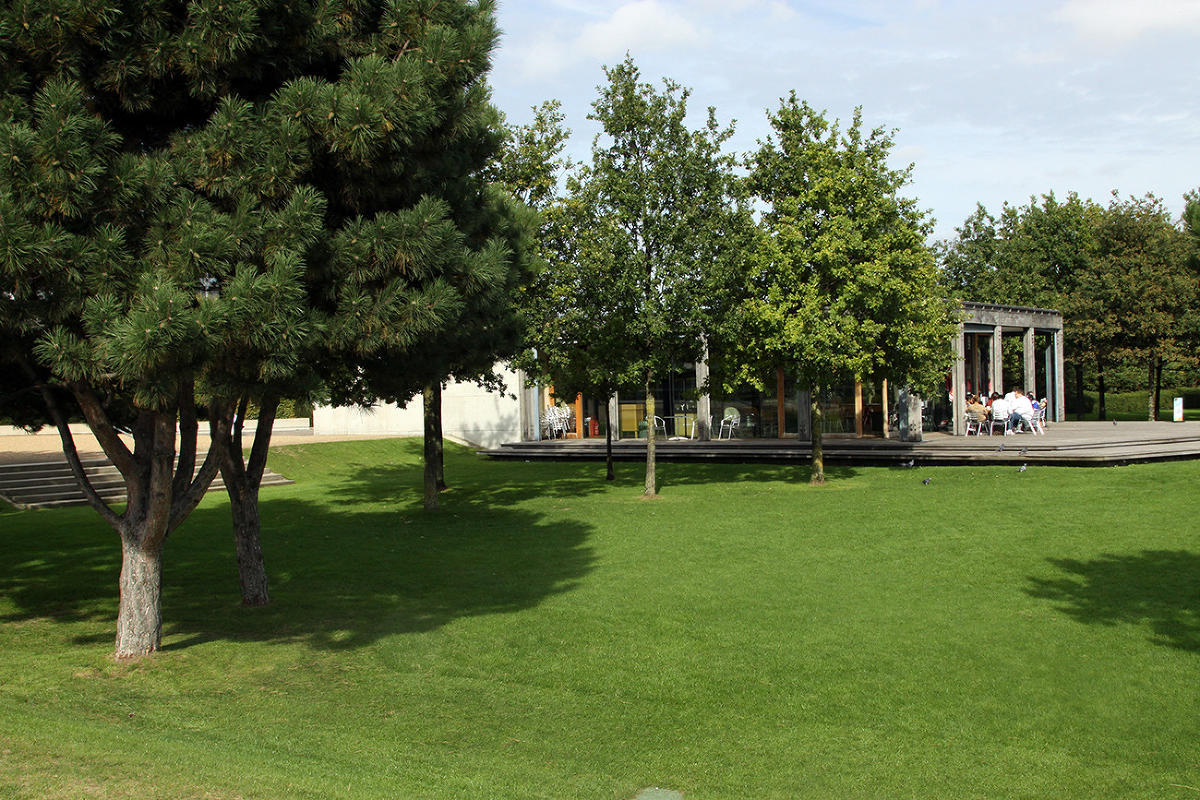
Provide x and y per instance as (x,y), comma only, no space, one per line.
(262,439)
(69,449)
(110,441)
(184,503)
(188,432)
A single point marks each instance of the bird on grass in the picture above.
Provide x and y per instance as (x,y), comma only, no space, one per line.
(908,464)
(1022,469)
(927,481)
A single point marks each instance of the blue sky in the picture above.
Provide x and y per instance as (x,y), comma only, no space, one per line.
(992,101)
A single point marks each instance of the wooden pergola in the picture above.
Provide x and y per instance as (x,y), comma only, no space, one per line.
(979,354)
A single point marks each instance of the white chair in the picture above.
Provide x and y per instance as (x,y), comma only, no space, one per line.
(1039,421)
(974,426)
(660,426)
(1005,423)
(731,421)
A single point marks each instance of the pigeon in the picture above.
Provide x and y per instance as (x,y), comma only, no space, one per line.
(908,464)
(1114,422)
(1024,450)
(1000,449)
(1022,469)
(927,481)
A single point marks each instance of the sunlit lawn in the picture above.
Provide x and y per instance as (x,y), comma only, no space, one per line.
(545,635)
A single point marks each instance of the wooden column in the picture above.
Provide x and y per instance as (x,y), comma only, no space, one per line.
(958,383)
(884,409)
(579,432)
(1059,395)
(997,360)
(858,409)
(1029,359)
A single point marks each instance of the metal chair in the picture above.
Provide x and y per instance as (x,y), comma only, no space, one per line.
(731,421)
(1005,423)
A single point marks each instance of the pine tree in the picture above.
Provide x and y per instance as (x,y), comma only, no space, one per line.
(226,200)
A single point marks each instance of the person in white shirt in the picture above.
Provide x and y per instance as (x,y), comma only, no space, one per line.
(1000,408)
(1022,407)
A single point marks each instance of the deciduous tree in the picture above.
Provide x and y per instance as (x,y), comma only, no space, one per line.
(842,286)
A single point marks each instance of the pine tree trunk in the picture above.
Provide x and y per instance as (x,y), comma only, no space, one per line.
(242,482)
(139,616)
(611,474)
(430,450)
(247,540)
(651,478)
(818,450)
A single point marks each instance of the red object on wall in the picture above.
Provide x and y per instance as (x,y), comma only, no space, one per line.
(594,427)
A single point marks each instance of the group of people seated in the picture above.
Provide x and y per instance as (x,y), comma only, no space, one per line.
(1017,409)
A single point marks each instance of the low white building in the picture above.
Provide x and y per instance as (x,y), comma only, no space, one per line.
(470,414)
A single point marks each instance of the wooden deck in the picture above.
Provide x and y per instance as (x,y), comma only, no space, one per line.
(1065,444)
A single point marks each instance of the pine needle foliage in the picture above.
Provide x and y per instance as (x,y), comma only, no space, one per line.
(228,199)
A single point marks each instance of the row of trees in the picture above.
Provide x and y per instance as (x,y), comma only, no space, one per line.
(665,249)
(1126,277)
(205,207)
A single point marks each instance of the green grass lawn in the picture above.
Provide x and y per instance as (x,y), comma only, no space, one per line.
(545,635)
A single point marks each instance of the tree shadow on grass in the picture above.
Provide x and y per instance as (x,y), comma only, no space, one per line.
(340,578)
(476,482)
(1159,588)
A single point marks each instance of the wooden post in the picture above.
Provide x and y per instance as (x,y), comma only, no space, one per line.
(1029,362)
(858,409)
(958,384)
(884,409)
(997,360)
(578,417)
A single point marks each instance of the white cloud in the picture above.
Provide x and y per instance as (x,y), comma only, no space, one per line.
(638,25)
(1113,21)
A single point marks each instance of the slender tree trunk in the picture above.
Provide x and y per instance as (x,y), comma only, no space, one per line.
(651,478)
(1079,391)
(431,456)
(611,474)
(1151,395)
(1102,412)
(439,441)
(1157,386)
(818,450)
(139,615)
(242,482)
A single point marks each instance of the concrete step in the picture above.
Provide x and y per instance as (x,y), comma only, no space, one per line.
(51,484)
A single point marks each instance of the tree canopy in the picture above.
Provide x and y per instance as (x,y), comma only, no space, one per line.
(842,286)
(200,201)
